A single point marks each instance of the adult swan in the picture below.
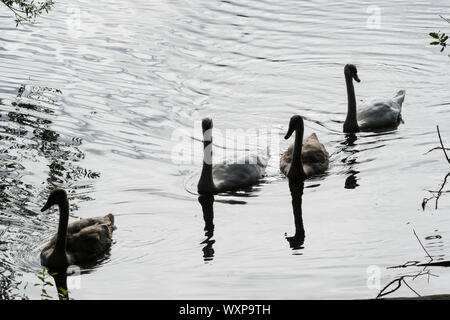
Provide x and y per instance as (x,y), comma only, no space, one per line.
(374,115)
(227,176)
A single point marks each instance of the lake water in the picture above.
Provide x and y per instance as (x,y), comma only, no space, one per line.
(97,97)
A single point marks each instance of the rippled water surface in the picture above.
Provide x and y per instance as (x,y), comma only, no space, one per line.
(97,97)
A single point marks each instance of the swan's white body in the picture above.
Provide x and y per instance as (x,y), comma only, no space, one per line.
(227,176)
(375,114)
(381,113)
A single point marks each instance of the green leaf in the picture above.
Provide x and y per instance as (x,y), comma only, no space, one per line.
(434,35)
(435,43)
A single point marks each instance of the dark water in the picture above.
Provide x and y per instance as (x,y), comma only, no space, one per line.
(99,98)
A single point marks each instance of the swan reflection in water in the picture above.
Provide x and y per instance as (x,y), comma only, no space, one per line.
(351,182)
(296,187)
(207,203)
(60,278)
(65,279)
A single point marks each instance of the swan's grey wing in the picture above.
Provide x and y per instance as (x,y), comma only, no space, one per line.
(89,243)
(254,159)
(234,176)
(88,239)
(315,157)
(77,226)
(314,151)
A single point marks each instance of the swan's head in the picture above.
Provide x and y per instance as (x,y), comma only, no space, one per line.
(295,123)
(55,197)
(352,71)
(207,124)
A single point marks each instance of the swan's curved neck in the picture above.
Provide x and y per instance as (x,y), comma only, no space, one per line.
(296,170)
(351,123)
(206,183)
(61,238)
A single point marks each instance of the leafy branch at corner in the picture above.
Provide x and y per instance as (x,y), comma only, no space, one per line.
(440,39)
(26,10)
(43,276)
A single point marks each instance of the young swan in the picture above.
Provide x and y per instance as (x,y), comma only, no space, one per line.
(227,176)
(373,115)
(303,158)
(81,242)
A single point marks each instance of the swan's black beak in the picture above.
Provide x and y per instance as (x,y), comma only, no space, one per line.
(355,76)
(289,133)
(46,207)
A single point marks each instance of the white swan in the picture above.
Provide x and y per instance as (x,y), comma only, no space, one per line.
(303,158)
(80,242)
(227,176)
(374,114)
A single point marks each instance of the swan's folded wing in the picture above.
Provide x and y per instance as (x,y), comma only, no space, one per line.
(234,176)
(89,241)
(77,226)
(313,151)
(377,114)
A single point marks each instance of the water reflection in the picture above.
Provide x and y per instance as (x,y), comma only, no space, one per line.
(351,182)
(9,286)
(207,203)
(296,187)
(26,136)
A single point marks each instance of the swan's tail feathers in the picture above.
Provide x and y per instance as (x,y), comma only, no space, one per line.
(399,97)
(313,136)
(110,217)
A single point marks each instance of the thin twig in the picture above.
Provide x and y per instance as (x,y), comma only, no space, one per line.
(440,190)
(436,194)
(399,281)
(405,265)
(381,294)
(422,245)
(17,14)
(442,145)
(404,281)
(439,193)
(435,148)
